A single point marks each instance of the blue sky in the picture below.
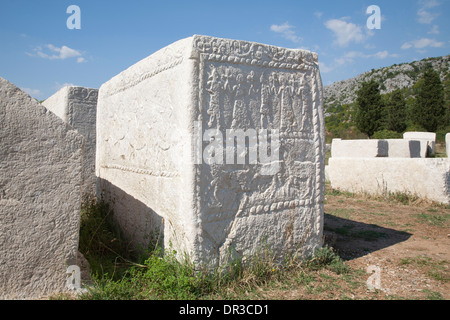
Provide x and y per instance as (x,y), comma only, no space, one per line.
(40,54)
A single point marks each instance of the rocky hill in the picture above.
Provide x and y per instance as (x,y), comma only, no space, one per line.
(390,78)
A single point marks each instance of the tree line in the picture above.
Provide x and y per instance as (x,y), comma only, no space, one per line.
(429,110)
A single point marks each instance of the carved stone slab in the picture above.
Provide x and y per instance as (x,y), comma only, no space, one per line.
(166,155)
(77,106)
(40,196)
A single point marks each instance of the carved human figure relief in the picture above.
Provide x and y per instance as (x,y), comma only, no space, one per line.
(214,85)
(306,107)
(240,112)
(265,108)
(226,76)
(287,118)
(252,87)
(298,102)
(274,92)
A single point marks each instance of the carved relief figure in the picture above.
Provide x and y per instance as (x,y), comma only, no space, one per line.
(251,81)
(265,105)
(253,103)
(286,91)
(223,48)
(306,109)
(259,53)
(226,77)
(240,112)
(213,86)
(274,93)
(298,102)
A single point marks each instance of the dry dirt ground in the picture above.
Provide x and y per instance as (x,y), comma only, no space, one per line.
(408,240)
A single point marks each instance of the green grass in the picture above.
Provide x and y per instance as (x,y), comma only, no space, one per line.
(402,197)
(434,269)
(119,273)
(101,241)
(327,258)
(342,213)
(432,295)
(158,278)
(434,218)
(165,277)
(336,192)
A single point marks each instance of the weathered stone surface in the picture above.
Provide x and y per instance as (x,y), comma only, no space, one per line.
(427,139)
(375,148)
(77,106)
(40,180)
(426,178)
(151,119)
(403,148)
(359,148)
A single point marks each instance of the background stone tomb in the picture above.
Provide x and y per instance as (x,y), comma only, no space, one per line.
(77,106)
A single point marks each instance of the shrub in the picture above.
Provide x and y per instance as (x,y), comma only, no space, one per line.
(387,134)
(326,258)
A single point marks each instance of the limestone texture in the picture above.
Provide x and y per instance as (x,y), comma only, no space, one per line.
(425,178)
(376,148)
(77,106)
(40,181)
(359,148)
(161,126)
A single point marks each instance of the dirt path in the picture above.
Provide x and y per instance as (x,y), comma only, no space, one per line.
(410,244)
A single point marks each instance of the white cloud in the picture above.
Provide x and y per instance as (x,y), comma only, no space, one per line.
(345,32)
(59,86)
(351,56)
(428,4)
(286,31)
(32,92)
(52,52)
(318,14)
(381,54)
(406,45)
(355,54)
(422,43)
(324,68)
(424,15)
(434,30)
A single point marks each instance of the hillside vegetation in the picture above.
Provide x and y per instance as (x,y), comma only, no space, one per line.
(404,80)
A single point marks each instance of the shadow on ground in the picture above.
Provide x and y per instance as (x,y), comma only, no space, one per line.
(353,239)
